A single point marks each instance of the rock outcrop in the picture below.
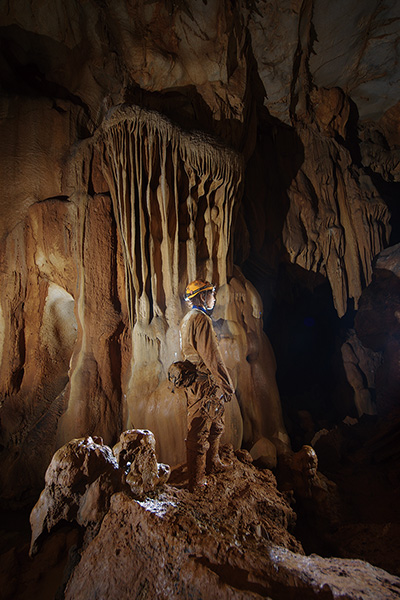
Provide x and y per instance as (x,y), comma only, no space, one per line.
(80,480)
(85,473)
(230,541)
(121,265)
(136,456)
(336,222)
(361,365)
(377,325)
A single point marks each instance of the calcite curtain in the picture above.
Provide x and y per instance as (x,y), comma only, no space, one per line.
(108,267)
(173,196)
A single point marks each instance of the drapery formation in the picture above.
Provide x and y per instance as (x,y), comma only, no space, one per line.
(173,196)
(93,317)
(337,223)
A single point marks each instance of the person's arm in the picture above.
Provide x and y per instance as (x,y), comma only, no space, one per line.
(208,348)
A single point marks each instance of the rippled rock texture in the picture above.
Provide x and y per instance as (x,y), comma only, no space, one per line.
(106,277)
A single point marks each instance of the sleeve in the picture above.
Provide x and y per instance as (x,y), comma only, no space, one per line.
(208,348)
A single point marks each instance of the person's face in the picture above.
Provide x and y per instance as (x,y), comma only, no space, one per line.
(210,299)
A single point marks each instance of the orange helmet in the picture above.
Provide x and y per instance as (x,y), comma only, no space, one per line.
(197,286)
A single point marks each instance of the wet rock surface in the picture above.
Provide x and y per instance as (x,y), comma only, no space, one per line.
(378,326)
(93,266)
(306,99)
(362,462)
(136,455)
(80,480)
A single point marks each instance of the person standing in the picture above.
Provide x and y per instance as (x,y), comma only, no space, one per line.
(211,388)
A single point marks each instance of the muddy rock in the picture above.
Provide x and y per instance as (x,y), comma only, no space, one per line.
(80,480)
(136,454)
(232,540)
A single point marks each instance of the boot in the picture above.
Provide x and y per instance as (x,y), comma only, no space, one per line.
(196,464)
(214,463)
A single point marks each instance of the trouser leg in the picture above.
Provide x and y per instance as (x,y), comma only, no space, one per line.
(214,463)
(197,445)
(196,464)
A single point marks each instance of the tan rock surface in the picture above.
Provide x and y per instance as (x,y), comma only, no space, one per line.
(136,455)
(361,365)
(231,541)
(337,222)
(89,315)
(85,259)
(102,221)
(48,354)
(188,543)
(85,473)
(39,276)
(80,480)
(352,46)
(102,351)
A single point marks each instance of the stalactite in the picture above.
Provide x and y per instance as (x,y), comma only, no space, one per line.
(130,139)
(336,223)
(133,143)
(173,197)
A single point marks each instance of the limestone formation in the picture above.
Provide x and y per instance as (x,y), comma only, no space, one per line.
(208,536)
(174,197)
(103,78)
(80,480)
(144,144)
(232,541)
(337,222)
(38,278)
(377,326)
(361,365)
(317,497)
(136,455)
(379,146)
(351,46)
(174,207)
(85,473)
(63,336)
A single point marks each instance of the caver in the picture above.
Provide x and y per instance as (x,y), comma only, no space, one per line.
(211,387)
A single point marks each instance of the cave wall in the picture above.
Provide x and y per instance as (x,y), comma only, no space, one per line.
(144,144)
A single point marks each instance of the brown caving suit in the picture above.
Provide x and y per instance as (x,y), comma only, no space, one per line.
(205,396)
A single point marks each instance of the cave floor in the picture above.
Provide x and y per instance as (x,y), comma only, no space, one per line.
(369,528)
